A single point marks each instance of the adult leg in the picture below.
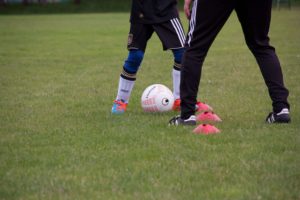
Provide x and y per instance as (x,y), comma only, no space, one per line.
(208,17)
(255,16)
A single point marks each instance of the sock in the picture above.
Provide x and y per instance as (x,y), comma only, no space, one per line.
(176,83)
(177,53)
(125,88)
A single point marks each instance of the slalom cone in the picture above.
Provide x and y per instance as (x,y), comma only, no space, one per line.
(200,107)
(206,129)
(208,117)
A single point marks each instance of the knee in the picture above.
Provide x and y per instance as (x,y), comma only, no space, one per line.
(259,46)
(133,61)
(178,53)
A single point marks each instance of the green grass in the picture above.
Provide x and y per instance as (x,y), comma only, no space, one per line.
(58,77)
(92,6)
(86,6)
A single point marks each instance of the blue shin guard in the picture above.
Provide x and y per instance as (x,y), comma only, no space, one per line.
(133,61)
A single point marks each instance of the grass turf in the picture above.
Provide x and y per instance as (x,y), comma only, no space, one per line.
(58,78)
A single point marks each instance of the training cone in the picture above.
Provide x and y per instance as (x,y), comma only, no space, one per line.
(200,107)
(206,129)
(208,117)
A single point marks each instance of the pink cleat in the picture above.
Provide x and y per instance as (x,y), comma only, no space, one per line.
(206,129)
(208,117)
(200,106)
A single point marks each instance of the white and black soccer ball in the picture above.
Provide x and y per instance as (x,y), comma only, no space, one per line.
(157,98)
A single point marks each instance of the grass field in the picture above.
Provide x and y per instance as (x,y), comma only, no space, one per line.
(59,75)
(86,6)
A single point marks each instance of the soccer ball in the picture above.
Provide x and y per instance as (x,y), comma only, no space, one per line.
(157,98)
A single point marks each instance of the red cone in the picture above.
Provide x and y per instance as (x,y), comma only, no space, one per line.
(208,117)
(200,107)
(206,129)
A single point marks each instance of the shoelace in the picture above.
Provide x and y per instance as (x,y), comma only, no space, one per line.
(121,105)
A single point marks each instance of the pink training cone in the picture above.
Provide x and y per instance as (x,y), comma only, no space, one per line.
(206,129)
(200,107)
(208,117)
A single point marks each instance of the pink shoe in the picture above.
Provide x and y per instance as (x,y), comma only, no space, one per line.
(200,106)
(208,117)
(176,105)
(206,129)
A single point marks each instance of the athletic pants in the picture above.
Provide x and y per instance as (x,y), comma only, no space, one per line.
(207,19)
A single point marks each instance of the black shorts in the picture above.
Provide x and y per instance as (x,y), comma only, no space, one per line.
(170,33)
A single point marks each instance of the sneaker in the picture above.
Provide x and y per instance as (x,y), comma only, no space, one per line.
(200,106)
(282,117)
(119,107)
(191,121)
(176,105)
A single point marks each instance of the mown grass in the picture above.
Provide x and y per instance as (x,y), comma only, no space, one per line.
(93,6)
(86,6)
(58,78)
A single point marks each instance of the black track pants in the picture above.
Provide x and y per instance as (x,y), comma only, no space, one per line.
(208,18)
